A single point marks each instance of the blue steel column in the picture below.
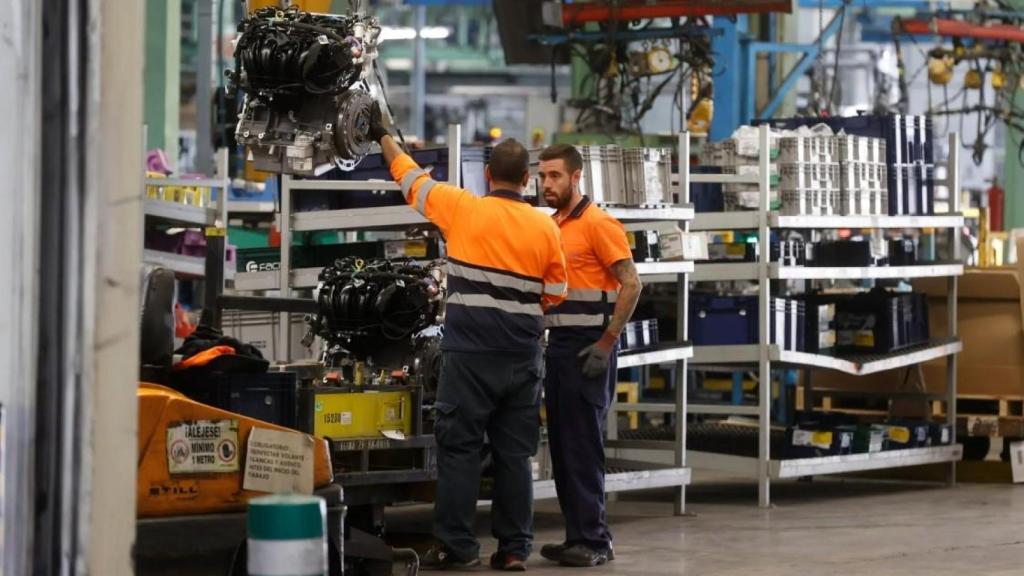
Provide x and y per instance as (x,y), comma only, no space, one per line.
(728,77)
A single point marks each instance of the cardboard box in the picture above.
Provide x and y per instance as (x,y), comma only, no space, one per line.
(990,322)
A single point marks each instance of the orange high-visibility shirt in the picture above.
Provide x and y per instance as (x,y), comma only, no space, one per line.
(593,241)
(505,262)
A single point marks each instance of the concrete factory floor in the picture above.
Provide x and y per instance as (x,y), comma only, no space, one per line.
(827,527)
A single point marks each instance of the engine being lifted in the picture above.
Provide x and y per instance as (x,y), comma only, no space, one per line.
(383,314)
(309,85)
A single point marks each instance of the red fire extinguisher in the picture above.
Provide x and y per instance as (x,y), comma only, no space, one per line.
(995,206)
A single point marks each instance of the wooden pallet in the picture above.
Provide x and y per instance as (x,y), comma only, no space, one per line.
(977,415)
(987,416)
(984,405)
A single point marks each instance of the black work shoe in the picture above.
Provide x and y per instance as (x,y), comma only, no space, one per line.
(439,558)
(553,552)
(508,562)
(580,556)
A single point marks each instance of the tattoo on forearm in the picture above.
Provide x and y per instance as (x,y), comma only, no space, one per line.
(629,293)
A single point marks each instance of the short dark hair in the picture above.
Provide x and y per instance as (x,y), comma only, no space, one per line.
(510,161)
(565,152)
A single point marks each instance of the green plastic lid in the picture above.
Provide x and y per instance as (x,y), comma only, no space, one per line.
(287,517)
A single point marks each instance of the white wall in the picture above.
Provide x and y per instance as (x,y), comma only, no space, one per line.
(20,32)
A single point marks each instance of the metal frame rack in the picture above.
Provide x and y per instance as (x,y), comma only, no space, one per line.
(401,217)
(187,216)
(654,473)
(206,218)
(765,356)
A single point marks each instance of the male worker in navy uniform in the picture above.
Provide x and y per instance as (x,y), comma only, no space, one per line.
(583,331)
(505,267)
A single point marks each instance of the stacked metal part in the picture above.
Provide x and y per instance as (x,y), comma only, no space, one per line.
(626,176)
(809,172)
(739,155)
(647,175)
(911,160)
(865,186)
(602,177)
(908,153)
(803,326)
(824,175)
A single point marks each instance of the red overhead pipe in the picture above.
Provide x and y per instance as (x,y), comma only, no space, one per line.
(579,13)
(961,29)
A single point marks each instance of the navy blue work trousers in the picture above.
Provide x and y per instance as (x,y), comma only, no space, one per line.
(496,395)
(577,408)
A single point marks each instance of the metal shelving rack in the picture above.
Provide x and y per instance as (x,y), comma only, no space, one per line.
(652,473)
(764,356)
(251,207)
(639,476)
(186,216)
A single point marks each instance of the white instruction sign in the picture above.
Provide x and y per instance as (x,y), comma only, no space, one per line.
(202,446)
(1016,461)
(279,461)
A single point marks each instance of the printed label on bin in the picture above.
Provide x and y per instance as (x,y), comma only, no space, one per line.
(406,249)
(864,339)
(810,438)
(339,418)
(279,461)
(875,442)
(202,446)
(899,434)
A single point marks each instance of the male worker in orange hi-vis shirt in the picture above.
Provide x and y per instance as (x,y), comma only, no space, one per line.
(505,266)
(579,383)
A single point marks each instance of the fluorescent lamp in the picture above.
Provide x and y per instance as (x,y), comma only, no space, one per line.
(409,33)
(435,32)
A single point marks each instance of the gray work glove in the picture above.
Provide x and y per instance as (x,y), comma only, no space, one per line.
(377,130)
(596,356)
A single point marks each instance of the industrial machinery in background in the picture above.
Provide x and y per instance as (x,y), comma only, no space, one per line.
(985,45)
(625,54)
(309,83)
(618,80)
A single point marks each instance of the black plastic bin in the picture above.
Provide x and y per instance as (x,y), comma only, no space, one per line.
(269,396)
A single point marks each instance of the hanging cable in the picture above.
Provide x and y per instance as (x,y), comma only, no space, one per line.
(835,68)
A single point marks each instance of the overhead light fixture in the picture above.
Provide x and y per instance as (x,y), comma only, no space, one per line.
(409,33)
(435,33)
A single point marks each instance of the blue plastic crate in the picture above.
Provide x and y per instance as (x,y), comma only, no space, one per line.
(723,320)
(705,196)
